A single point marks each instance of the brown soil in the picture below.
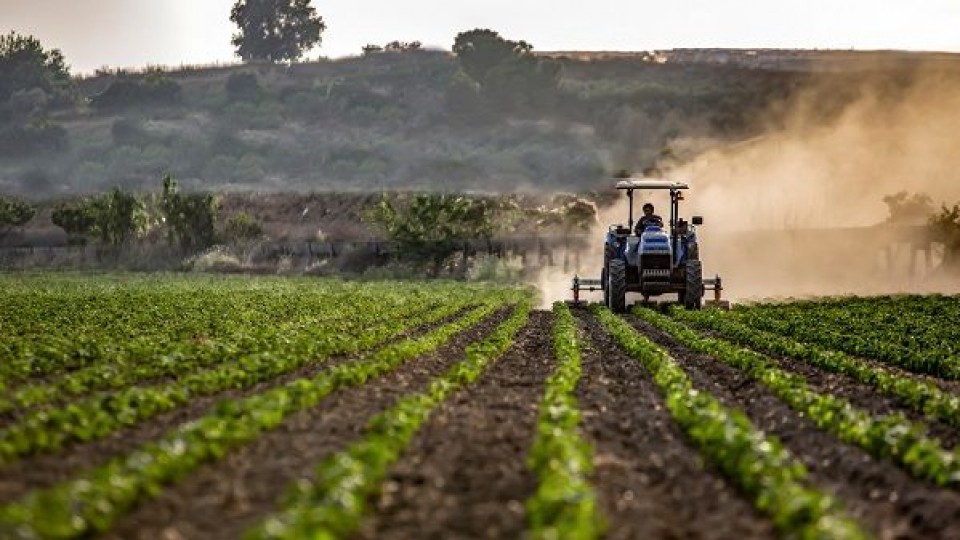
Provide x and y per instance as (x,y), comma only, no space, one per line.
(652,483)
(868,398)
(43,471)
(222,499)
(465,475)
(886,500)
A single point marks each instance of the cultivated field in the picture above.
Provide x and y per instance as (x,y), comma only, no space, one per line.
(221,407)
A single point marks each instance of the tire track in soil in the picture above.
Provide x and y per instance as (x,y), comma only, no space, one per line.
(464,475)
(885,499)
(220,500)
(651,482)
(46,470)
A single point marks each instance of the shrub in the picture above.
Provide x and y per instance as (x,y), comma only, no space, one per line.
(242,228)
(117,217)
(190,218)
(155,89)
(242,87)
(128,131)
(245,115)
(14,213)
(36,137)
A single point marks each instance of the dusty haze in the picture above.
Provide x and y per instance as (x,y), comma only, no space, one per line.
(825,162)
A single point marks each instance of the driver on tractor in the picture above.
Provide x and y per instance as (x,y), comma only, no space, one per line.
(647,219)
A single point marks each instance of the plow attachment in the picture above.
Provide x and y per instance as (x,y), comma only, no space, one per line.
(714,284)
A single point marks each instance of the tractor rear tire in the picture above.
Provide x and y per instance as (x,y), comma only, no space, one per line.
(616,292)
(693,291)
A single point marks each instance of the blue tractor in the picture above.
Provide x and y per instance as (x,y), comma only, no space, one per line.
(650,258)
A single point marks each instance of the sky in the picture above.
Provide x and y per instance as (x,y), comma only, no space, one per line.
(136,33)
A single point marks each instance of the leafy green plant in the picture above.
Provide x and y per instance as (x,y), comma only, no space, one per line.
(885,436)
(98,497)
(47,430)
(333,502)
(758,464)
(924,397)
(565,503)
(905,331)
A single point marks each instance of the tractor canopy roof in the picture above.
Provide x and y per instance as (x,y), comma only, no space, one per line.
(650,183)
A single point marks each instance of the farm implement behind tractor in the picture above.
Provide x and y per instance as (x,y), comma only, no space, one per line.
(645,257)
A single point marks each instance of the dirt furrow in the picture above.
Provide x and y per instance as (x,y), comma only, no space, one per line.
(222,499)
(46,470)
(652,484)
(868,398)
(884,498)
(464,474)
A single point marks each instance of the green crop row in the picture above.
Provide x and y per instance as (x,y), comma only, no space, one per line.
(163,360)
(131,325)
(906,332)
(95,500)
(756,463)
(565,503)
(99,415)
(922,396)
(333,503)
(887,436)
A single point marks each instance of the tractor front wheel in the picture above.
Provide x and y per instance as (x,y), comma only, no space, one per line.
(692,295)
(616,286)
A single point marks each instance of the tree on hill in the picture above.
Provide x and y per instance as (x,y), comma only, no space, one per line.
(480,51)
(25,65)
(275,30)
(507,71)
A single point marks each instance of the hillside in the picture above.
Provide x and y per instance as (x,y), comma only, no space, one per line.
(406,120)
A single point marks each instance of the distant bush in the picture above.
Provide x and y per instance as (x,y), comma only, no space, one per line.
(945,228)
(308,107)
(189,217)
(14,213)
(75,219)
(35,137)
(215,259)
(128,131)
(393,46)
(246,169)
(242,87)
(432,227)
(26,103)
(246,115)
(113,217)
(242,228)
(462,96)
(154,89)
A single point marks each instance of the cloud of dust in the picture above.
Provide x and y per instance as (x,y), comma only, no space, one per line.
(759,196)
(825,165)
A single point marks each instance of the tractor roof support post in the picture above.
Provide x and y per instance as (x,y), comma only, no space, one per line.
(630,220)
(674,212)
